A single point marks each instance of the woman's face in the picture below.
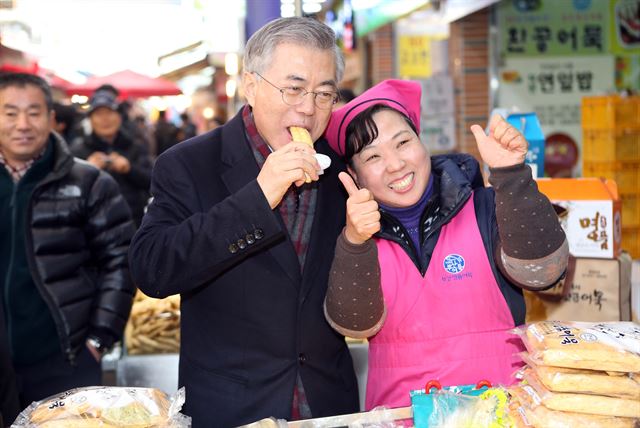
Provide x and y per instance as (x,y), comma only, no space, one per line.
(396,166)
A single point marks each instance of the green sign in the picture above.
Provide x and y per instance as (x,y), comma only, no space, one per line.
(373,14)
(554,27)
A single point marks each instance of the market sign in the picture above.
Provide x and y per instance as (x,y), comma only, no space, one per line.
(625,42)
(373,14)
(414,56)
(578,27)
(553,88)
(437,125)
(625,27)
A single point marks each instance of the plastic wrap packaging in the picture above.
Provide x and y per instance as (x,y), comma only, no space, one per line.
(518,415)
(560,379)
(611,346)
(533,413)
(106,407)
(580,403)
(267,423)
(379,417)
(154,325)
(455,410)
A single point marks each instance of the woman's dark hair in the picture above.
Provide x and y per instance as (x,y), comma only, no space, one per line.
(346,95)
(363,130)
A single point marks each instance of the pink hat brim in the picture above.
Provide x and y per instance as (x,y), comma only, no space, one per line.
(401,95)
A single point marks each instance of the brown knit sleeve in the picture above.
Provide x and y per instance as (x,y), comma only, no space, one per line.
(534,249)
(354,305)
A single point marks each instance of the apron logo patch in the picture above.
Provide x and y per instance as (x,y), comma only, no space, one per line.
(453,263)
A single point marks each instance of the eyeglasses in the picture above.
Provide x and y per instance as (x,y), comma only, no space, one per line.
(294,95)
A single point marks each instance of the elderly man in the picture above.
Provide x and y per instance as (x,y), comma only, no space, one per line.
(234,228)
(64,234)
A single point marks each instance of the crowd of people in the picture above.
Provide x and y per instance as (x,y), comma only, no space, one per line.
(275,259)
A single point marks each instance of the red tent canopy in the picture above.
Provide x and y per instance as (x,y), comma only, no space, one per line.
(129,83)
(53,79)
(16,61)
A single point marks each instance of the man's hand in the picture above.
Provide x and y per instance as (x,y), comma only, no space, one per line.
(98,159)
(363,217)
(119,163)
(93,351)
(284,167)
(504,146)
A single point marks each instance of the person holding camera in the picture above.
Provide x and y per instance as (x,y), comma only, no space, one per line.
(112,149)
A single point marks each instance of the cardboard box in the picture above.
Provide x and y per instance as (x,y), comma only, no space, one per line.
(600,291)
(592,219)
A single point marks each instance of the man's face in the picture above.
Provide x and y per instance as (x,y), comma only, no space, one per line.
(105,122)
(292,66)
(25,122)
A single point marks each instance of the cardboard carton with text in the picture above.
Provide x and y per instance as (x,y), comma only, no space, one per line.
(600,290)
(592,214)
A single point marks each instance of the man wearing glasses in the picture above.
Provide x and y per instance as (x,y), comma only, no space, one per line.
(243,226)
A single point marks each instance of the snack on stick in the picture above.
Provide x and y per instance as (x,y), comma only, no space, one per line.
(302,135)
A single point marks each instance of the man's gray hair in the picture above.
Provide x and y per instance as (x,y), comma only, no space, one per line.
(309,32)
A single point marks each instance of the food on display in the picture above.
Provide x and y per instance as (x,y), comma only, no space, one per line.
(154,325)
(613,346)
(560,379)
(106,407)
(527,405)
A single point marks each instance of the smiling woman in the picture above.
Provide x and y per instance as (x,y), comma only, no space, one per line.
(430,264)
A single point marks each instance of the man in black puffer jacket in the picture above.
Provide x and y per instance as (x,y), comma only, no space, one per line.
(64,235)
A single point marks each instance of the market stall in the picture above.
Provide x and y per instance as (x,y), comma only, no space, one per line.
(577,375)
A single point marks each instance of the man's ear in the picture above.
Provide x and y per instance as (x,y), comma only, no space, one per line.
(52,119)
(250,86)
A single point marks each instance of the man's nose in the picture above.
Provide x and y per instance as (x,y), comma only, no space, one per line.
(308,104)
(22,121)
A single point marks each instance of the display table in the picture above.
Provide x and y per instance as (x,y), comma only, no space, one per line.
(161,370)
(155,371)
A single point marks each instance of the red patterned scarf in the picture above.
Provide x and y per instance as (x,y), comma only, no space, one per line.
(298,205)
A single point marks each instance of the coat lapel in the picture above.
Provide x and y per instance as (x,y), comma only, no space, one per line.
(329,216)
(239,168)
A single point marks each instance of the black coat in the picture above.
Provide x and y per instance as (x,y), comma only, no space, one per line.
(79,229)
(134,185)
(251,321)
(9,398)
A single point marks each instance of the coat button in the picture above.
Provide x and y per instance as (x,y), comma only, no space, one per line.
(233,248)
(250,238)
(302,358)
(242,244)
(258,233)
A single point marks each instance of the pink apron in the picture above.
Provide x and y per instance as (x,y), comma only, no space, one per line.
(452,325)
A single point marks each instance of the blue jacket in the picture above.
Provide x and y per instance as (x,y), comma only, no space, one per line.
(252,319)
